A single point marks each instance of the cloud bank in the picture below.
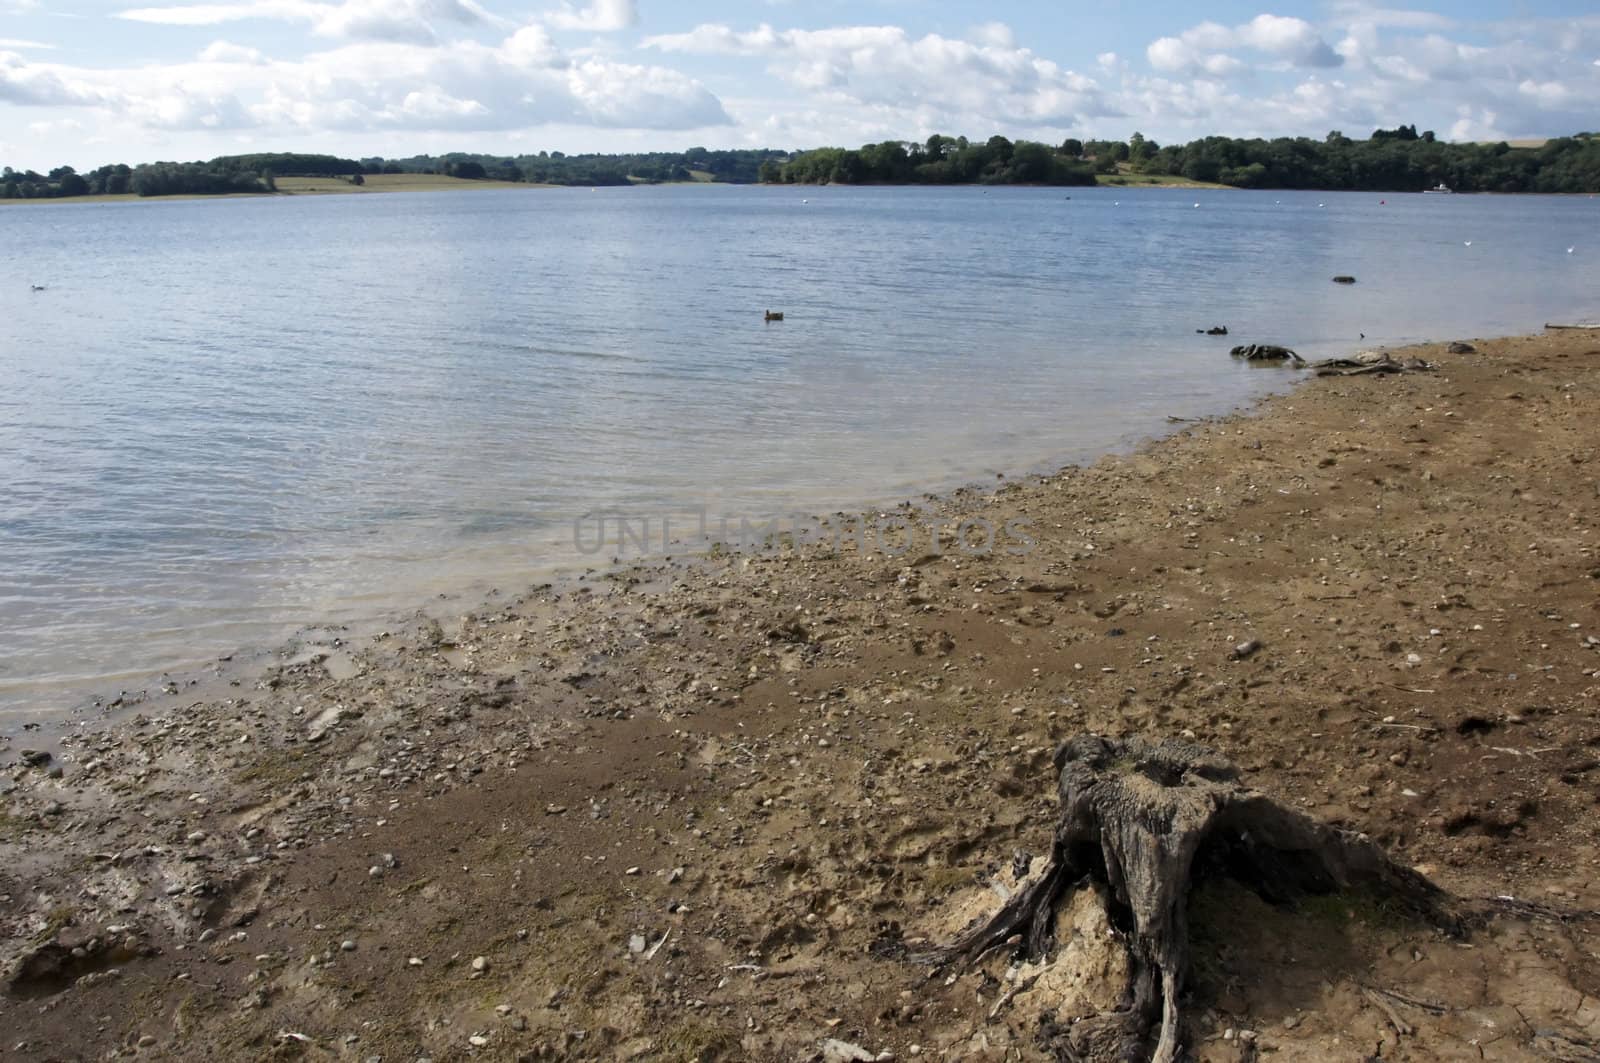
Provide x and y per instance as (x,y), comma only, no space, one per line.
(522,81)
(402,68)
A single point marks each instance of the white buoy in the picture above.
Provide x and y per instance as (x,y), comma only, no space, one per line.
(1467,242)
(1570,250)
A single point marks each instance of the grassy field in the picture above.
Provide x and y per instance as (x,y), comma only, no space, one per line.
(1150,180)
(388,182)
(696,177)
(427,182)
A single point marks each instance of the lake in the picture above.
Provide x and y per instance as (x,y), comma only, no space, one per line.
(224,420)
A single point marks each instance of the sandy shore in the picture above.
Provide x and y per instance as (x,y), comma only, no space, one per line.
(666,813)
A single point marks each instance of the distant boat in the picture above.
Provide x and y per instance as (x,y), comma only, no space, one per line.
(1442,190)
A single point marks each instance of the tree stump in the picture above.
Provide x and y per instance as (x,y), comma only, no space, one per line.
(1142,819)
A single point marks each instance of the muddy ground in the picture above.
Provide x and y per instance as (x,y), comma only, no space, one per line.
(668,812)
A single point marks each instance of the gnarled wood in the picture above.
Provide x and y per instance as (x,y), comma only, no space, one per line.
(1266,352)
(1141,818)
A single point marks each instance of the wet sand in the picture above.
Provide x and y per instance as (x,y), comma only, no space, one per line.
(667,811)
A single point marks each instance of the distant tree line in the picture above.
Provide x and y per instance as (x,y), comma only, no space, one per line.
(288,164)
(1391,160)
(558,168)
(224,175)
(941,160)
(258,172)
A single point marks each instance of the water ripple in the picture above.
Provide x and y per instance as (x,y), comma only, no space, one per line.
(224,420)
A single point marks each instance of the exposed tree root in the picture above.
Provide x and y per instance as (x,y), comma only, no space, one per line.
(1370,362)
(1144,818)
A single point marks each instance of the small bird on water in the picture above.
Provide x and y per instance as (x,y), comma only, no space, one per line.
(37,287)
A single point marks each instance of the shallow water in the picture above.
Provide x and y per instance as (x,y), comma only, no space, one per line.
(223,420)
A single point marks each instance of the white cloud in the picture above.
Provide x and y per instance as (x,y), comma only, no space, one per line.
(400,72)
(225,52)
(39,85)
(1482,125)
(935,83)
(1390,18)
(717,39)
(465,86)
(993,35)
(385,20)
(1175,55)
(601,16)
(1529,77)
(215,14)
(61,125)
(1547,94)
(1290,38)
(1390,66)
(1203,49)
(11,43)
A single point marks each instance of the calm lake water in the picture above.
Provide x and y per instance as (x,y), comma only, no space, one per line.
(223,420)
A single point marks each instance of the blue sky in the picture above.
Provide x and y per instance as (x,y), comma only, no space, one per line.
(97,81)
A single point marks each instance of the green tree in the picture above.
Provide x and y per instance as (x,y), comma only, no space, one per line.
(1031,163)
(1140,150)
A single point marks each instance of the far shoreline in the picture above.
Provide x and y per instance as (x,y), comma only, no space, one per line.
(288,187)
(393,184)
(336,187)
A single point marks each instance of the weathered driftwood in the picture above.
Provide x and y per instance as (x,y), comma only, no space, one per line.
(1360,365)
(1140,818)
(1266,352)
